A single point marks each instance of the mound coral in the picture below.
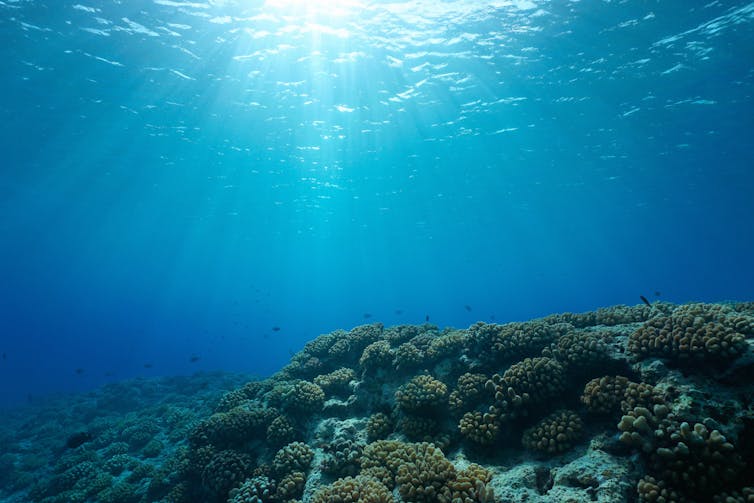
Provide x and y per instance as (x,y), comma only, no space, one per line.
(257,489)
(226,470)
(354,490)
(336,382)
(554,434)
(481,428)
(424,475)
(376,355)
(296,456)
(281,431)
(379,426)
(513,341)
(529,383)
(468,392)
(691,334)
(580,350)
(422,394)
(407,356)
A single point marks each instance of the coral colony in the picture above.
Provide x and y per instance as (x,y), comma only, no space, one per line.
(650,403)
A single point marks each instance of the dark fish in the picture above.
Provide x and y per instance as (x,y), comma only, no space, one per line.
(147,365)
(276,329)
(78,439)
(399,311)
(657,294)
(194,358)
(492,317)
(5,356)
(79,371)
(467,307)
(644,300)
(367,316)
(426,317)
(109,374)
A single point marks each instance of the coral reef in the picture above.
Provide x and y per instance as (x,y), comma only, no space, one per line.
(423,393)
(626,403)
(693,333)
(554,434)
(354,490)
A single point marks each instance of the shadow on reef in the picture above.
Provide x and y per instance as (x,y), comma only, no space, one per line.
(644,403)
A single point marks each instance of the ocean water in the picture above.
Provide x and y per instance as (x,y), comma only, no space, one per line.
(207,185)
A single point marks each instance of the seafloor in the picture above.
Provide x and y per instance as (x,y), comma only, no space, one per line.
(623,404)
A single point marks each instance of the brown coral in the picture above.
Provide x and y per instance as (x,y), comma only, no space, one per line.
(375,356)
(359,489)
(693,333)
(423,477)
(481,428)
(296,456)
(422,394)
(336,382)
(379,426)
(469,390)
(529,383)
(603,395)
(554,434)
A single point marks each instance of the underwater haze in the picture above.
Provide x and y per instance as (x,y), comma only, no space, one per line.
(209,184)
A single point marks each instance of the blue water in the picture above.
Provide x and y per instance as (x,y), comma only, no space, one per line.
(178,178)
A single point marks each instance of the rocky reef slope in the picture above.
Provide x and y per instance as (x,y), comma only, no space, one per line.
(644,403)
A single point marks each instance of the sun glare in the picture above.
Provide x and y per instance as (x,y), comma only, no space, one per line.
(315,8)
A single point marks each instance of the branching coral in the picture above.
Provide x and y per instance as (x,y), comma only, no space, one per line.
(376,355)
(296,456)
(407,356)
(693,461)
(554,434)
(513,341)
(529,383)
(448,345)
(259,489)
(468,393)
(281,431)
(424,475)
(336,382)
(609,394)
(379,426)
(579,350)
(422,394)
(349,347)
(226,470)
(481,428)
(691,334)
(354,490)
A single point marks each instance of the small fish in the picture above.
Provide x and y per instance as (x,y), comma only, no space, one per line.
(399,312)
(426,317)
(5,356)
(78,439)
(276,329)
(492,317)
(147,365)
(79,371)
(194,358)
(657,294)
(467,307)
(367,316)
(644,300)
(109,373)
